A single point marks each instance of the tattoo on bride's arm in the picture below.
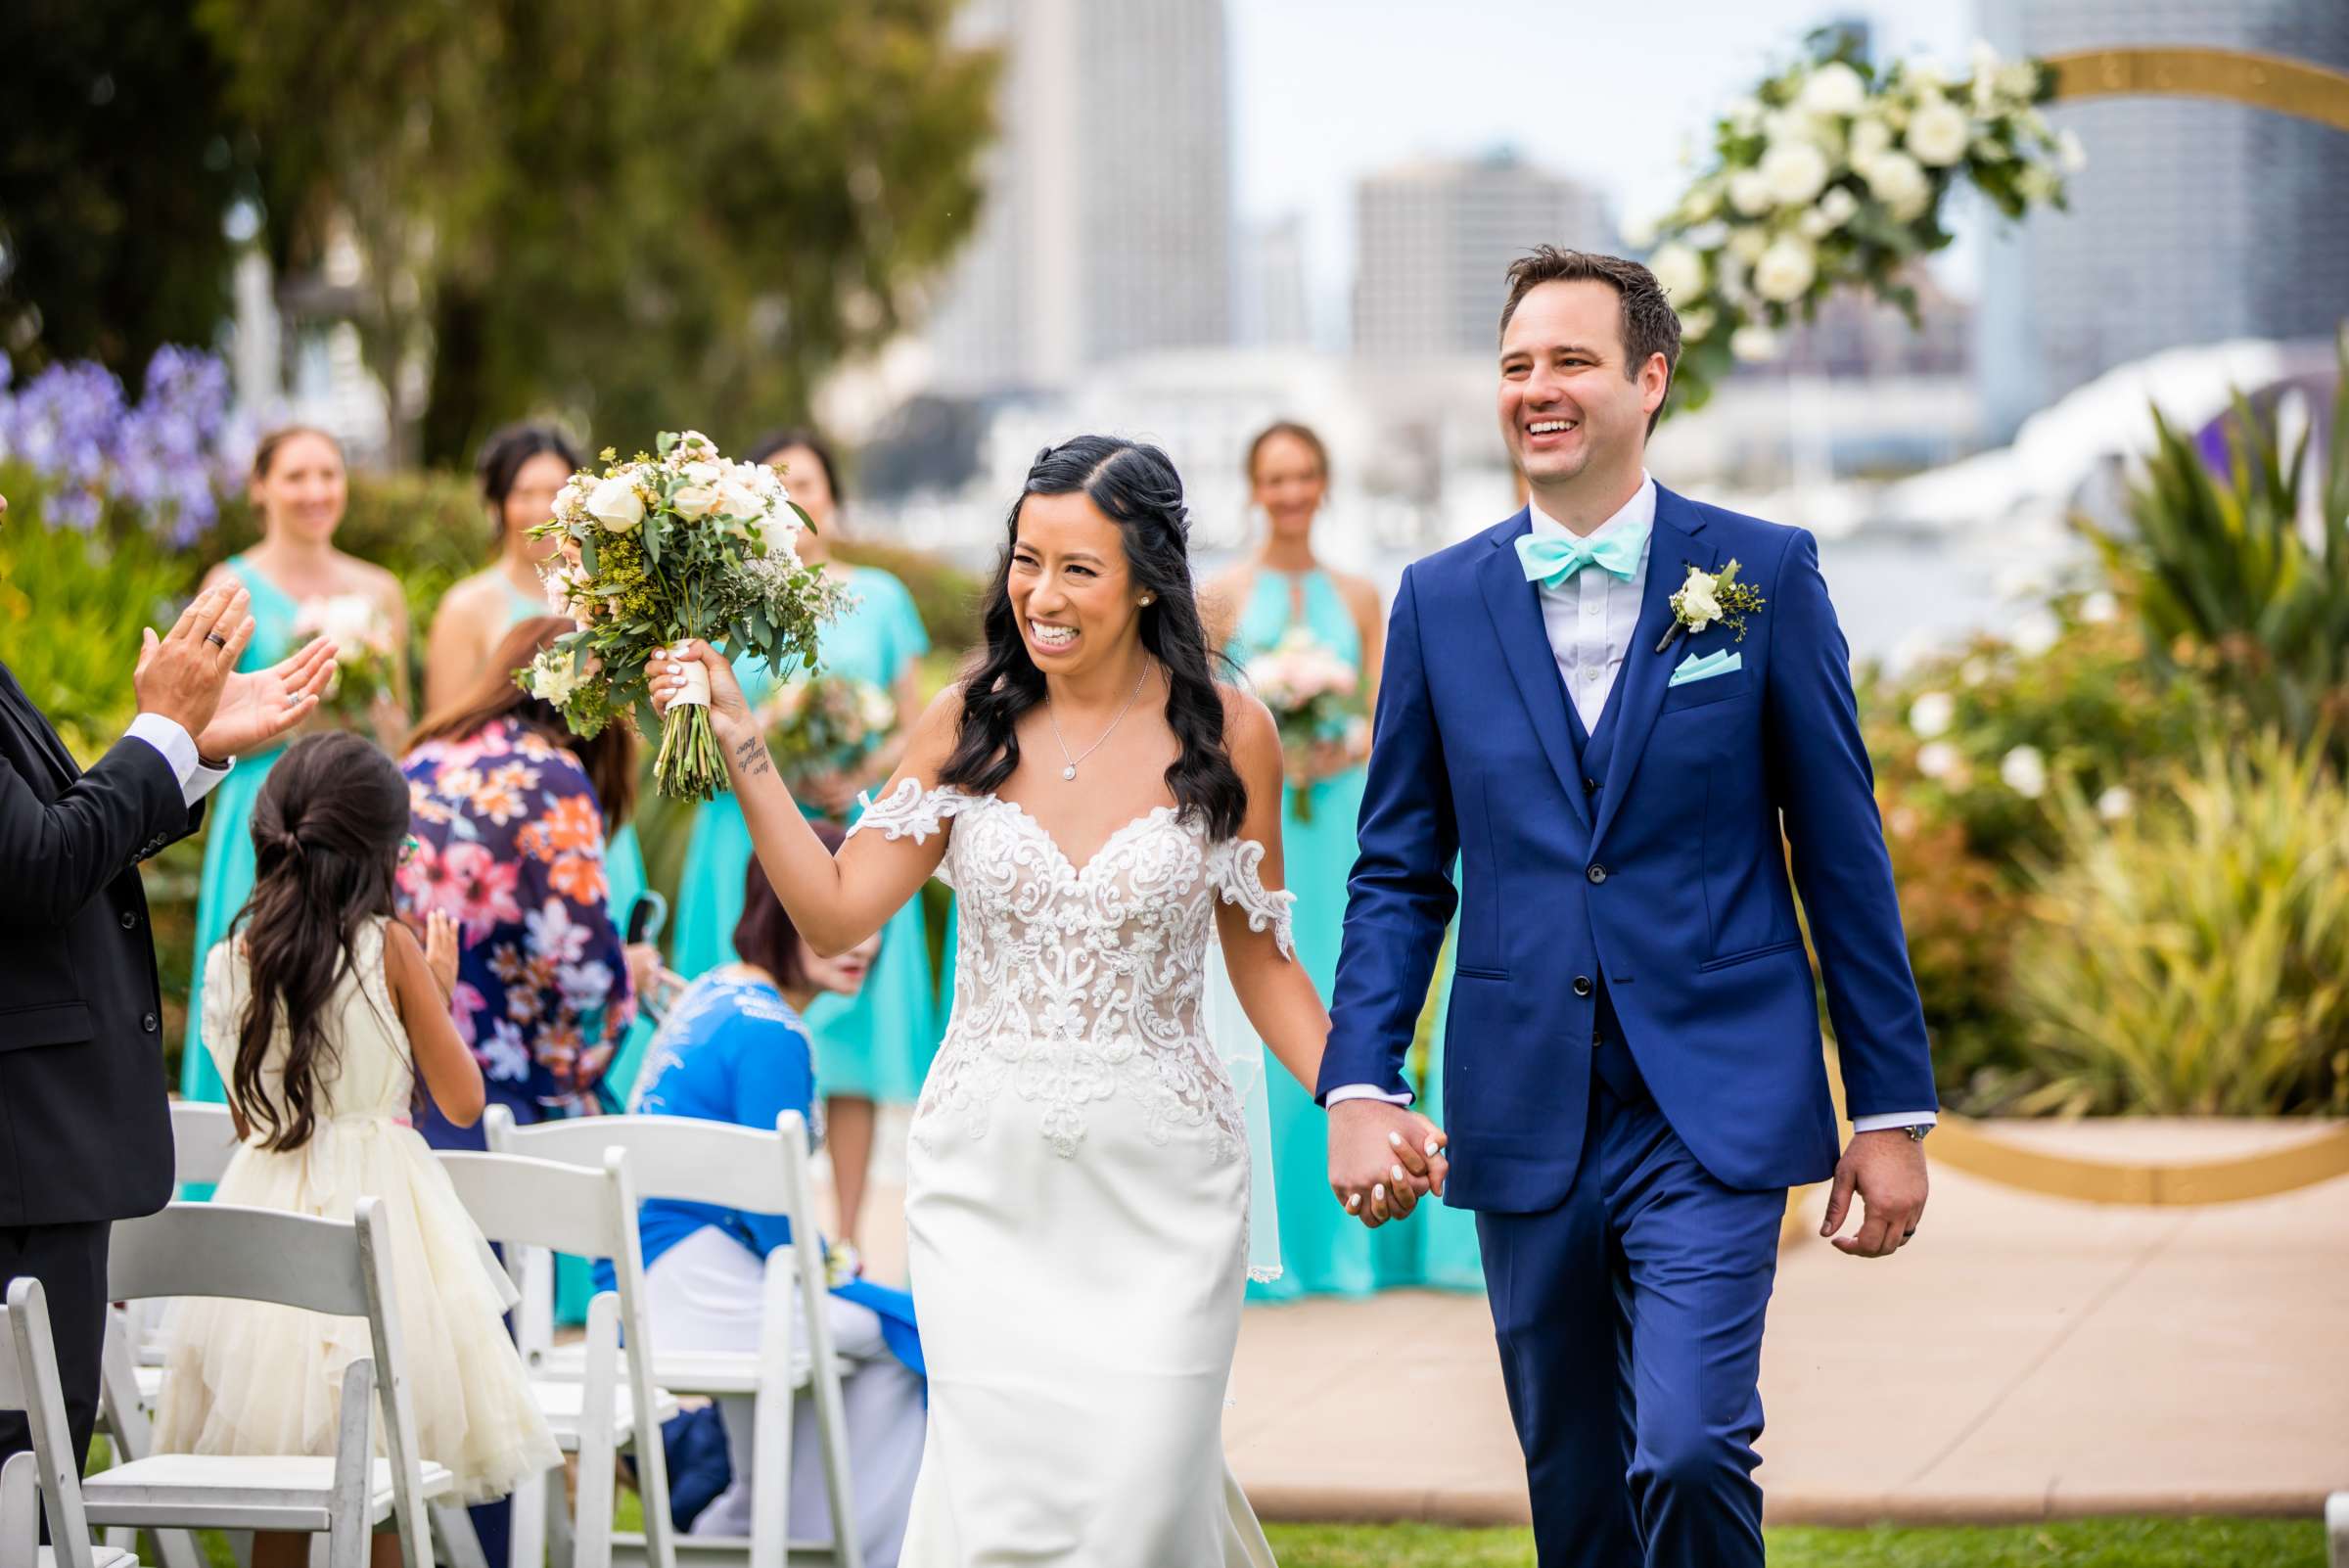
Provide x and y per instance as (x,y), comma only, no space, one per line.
(752,755)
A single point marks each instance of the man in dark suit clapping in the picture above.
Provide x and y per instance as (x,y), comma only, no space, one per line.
(85,1133)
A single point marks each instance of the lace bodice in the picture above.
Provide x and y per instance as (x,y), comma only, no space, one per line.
(1076,983)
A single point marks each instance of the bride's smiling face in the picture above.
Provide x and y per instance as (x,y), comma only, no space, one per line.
(1071,587)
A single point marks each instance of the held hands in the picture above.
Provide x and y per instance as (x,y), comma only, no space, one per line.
(1383,1159)
(256,708)
(1887,1169)
(180,674)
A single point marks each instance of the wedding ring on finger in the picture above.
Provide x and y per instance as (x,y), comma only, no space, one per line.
(216,640)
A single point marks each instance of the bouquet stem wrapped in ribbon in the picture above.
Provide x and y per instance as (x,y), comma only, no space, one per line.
(661,549)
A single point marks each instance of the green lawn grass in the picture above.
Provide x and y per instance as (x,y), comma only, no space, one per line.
(2073,1543)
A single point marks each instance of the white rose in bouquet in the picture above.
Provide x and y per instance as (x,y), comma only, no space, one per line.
(694,501)
(1939,133)
(740,501)
(1795,172)
(1748,244)
(1871,138)
(1749,192)
(1695,324)
(614,504)
(1838,207)
(554,675)
(1834,88)
(1785,270)
(1680,271)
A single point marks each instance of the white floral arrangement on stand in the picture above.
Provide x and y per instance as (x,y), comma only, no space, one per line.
(1833,174)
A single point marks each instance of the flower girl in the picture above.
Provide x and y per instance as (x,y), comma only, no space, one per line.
(321,1010)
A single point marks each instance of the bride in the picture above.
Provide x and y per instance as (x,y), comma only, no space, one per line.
(1078,1176)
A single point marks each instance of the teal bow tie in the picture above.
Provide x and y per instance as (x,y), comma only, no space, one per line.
(1553,560)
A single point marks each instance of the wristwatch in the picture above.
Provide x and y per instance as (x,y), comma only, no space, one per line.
(1916,1131)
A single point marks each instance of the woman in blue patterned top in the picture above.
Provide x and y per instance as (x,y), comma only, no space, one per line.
(734,1049)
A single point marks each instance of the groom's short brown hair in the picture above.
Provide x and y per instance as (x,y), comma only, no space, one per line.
(1650,325)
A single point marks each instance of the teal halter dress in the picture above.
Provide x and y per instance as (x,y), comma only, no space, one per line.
(228,826)
(877,1045)
(1323,1251)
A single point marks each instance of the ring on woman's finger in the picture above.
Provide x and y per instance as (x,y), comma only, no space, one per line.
(216,640)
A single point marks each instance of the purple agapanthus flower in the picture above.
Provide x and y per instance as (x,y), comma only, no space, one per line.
(162,457)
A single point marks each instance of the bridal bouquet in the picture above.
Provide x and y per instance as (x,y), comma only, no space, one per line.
(826,724)
(682,544)
(1315,693)
(363,651)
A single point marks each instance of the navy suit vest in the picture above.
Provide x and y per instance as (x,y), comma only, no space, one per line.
(1610,1057)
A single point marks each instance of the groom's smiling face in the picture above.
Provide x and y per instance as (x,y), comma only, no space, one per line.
(1566,406)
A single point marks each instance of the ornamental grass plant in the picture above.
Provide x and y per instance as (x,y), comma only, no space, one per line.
(2193,958)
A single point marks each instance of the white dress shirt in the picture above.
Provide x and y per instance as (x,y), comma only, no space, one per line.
(179,747)
(1591,619)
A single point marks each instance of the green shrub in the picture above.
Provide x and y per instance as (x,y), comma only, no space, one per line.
(2231,585)
(2194,958)
(1970,749)
(71,607)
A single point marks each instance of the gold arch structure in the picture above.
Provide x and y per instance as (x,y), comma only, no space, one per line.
(2287,86)
(2304,91)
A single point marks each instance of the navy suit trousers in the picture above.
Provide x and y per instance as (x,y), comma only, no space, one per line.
(1650,1279)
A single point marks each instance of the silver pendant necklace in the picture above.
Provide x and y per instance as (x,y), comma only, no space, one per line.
(1070,771)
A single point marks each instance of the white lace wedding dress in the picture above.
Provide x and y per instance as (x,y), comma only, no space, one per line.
(1076,1198)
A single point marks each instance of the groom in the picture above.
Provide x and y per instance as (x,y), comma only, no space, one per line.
(1634,1075)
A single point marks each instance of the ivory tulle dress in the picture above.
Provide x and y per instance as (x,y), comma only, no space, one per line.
(1076,1198)
(246,1377)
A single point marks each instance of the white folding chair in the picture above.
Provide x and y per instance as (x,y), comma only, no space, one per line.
(319,1266)
(532,1209)
(50,1475)
(691,1160)
(203,1137)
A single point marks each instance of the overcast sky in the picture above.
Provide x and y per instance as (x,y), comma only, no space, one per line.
(1324,91)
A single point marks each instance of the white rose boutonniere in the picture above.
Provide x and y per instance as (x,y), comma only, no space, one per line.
(1711,598)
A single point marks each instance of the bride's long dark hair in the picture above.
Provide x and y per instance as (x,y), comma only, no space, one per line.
(1136,487)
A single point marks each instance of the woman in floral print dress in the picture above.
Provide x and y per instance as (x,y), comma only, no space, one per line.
(511,815)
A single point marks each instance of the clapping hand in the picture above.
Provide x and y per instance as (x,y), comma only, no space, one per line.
(440,952)
(1383,1159)
(180,674)
(258,707)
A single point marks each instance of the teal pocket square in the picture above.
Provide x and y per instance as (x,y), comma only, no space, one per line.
(1720,662)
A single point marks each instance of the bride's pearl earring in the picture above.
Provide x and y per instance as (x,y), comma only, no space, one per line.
(1149,598)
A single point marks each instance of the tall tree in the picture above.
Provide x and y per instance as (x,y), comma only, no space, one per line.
(117,171)
(622,212)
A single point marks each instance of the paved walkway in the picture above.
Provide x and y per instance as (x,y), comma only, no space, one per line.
(2025,1357)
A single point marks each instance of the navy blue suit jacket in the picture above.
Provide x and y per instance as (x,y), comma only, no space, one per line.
(1668,885)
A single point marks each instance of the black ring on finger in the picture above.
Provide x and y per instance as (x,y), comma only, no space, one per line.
(216,640)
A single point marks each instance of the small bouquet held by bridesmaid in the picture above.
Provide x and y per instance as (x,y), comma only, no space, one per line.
(826,724)
(363,652)
(1315,693)
(659,549)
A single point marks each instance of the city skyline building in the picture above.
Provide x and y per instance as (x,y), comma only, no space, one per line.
(1434,240)
(1107,229)
(2195,222)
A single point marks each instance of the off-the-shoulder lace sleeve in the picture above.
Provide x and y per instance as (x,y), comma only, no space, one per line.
(910,811)
(1232,867)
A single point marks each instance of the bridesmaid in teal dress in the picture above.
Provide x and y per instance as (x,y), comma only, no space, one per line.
(875,1046)
(1324,1251)
(299,488)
